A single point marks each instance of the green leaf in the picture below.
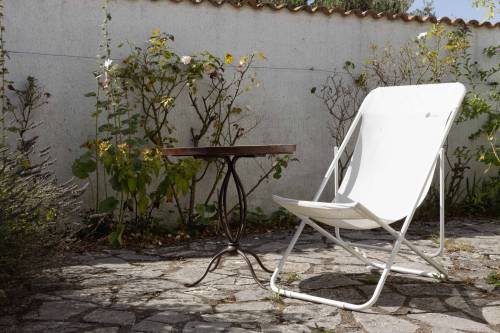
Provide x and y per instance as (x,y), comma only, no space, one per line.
(115,184)
(90,94)
(236,110)
(202,221)
(13,129)
(116,237)
(143,203)
(132,184)
(349,65)
(210,208)
(200,209)
(108,205)
(106,128)
(83,166)
(107,161)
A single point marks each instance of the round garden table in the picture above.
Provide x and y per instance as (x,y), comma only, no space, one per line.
(233,232)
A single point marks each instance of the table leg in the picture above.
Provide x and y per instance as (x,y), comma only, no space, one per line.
(216,264)
(253,254)
(209,268)
(233,236)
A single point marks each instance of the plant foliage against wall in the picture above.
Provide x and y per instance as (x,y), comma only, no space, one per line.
(390,6)
(439,55)
(135,104)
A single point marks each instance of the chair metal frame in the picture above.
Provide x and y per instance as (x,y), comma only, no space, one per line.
(399,236)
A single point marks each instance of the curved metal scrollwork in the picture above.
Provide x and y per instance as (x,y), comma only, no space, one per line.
(233,234)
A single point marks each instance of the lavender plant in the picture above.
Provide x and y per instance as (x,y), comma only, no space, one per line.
(30,194)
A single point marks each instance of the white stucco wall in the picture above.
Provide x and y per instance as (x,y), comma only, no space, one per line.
(57,40)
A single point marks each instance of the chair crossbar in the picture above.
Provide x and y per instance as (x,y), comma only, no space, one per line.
(394,268)
(381,266)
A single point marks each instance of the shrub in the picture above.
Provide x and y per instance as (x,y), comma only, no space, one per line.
(33,204)
(135,102)
(391,6)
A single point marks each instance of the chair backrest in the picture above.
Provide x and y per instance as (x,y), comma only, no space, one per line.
(401,132)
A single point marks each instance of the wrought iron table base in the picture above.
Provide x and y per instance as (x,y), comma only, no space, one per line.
(233,237)
(233,250)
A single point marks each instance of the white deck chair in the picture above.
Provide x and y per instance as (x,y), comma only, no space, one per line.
(402,131)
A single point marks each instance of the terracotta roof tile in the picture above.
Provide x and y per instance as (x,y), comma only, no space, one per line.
(356,13)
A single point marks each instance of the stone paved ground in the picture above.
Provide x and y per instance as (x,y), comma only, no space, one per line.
(128,291)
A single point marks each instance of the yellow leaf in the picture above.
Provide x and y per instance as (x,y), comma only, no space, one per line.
(262,56)
(155,32)
(228,58)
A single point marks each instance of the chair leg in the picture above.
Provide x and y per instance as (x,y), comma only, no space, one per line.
(442,185)
(386,268)
(290,246)
(322,300)
(316,299)
(400,235)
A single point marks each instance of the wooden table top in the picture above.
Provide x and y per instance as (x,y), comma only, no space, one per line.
(243,150)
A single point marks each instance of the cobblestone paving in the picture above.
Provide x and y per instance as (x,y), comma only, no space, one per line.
(128,291)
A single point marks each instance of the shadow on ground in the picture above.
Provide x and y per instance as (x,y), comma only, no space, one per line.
(143,291)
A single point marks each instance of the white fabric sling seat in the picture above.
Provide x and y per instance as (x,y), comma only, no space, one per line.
(401,132)
(350,215)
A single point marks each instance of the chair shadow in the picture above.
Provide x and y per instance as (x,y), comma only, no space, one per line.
(402,294)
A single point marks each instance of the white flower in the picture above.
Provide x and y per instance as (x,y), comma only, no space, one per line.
(422,35)
(107,63)
(186,60)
